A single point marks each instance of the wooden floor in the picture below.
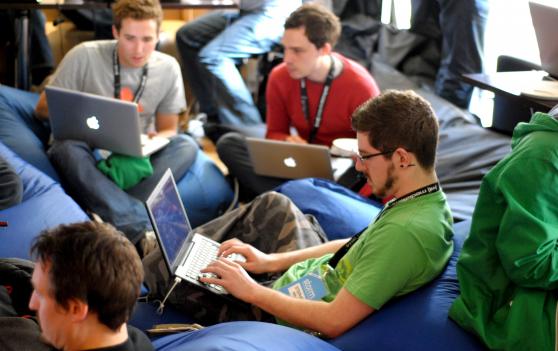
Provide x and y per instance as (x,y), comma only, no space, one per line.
(209,149)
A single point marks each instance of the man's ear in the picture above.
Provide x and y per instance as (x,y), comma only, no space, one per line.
(78,310)
(402,158)
(115,33)
(326,49)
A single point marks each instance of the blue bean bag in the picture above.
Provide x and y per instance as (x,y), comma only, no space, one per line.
(340,211)
(44,205)
(245,336)
(419,320)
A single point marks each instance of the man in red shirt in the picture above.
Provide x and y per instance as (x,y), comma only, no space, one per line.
(314,91)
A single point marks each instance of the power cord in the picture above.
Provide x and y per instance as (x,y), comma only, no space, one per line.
(161,307)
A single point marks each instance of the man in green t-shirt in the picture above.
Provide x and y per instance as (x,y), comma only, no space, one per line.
(404,247)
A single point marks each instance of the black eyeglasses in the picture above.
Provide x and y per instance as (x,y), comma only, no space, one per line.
(366,157)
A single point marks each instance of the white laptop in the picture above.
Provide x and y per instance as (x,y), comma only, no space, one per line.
(101,122)
(282,159)
(184,252)
(545,22)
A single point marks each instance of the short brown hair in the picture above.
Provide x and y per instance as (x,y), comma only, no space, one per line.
(94,263)
(137,10)
(400,119)
(321,26)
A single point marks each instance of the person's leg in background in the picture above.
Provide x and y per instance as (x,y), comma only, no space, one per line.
(190,40)
(460,26)
(252,33)
(233,151)
(177,156)
(80,177)
(42,60)
(463,24)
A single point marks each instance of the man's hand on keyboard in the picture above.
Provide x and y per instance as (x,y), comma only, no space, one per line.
(231,276)
(255,260)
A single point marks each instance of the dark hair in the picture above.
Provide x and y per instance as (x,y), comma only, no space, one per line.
(400,119)
(92,262)
(137,10)
(321,26)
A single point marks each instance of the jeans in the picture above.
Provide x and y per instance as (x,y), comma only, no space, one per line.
(210,48)
(76,165)
(460,26)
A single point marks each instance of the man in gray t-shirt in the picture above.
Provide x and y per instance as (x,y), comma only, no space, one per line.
(127,68)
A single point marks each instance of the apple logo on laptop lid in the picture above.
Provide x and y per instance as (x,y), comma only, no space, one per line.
(290,162)
(92,122)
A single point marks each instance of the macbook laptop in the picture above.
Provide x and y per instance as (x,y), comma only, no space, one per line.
(545,22)
(282,159)
(101,122)
(185,253)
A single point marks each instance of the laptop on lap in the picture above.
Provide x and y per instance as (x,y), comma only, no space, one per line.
(185,253)
(101,122)
(282,159)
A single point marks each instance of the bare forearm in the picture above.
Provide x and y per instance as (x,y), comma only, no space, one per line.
(307,314)
(282,261)
(166,125)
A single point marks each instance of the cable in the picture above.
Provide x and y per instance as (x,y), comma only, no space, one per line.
(234,201)
(161,307)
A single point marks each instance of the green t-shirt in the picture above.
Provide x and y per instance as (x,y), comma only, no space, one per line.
(405,248)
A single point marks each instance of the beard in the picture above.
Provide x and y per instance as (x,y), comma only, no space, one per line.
(385,190)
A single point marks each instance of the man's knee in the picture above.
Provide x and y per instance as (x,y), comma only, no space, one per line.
(66,150)
(230,146)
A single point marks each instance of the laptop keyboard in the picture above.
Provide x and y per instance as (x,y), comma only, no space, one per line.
(205,253)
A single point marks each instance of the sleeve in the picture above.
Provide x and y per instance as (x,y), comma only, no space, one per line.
(277,116)
(388,262)
(174,101)
(70,73)
(527,238)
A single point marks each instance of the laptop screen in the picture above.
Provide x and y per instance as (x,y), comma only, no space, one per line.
(544,19)
(168,217)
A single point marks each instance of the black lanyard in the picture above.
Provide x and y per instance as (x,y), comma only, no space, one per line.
(116,71)
(323,98)
(429,189)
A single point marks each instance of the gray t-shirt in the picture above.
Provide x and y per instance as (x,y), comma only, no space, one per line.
(88,68)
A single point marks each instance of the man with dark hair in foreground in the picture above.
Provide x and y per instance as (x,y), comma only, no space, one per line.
(86,281)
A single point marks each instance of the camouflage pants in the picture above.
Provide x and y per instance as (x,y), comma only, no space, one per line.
(271,223)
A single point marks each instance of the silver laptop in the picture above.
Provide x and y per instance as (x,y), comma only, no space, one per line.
(185,253)
(289,160)
(545,22)
(101,122)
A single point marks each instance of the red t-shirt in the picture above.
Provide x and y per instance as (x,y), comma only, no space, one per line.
(349,90)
